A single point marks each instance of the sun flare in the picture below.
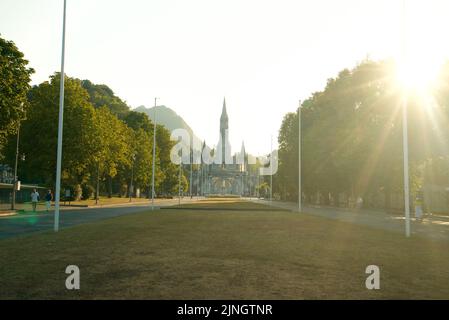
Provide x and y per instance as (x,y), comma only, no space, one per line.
(417,74)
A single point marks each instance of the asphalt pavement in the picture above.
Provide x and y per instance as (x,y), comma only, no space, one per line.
(433,227)
(29,222)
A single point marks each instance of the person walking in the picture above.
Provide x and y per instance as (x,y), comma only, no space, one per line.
(48,199)
(419,208)
(34,199)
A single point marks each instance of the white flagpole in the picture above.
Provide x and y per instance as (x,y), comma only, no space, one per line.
(154,156)
(299,160)
(405,132)
(271,168)
(60,125)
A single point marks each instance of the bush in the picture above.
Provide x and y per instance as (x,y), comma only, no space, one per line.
(87,191)
(78,192)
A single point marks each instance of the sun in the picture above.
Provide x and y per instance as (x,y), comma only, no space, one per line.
(417,74)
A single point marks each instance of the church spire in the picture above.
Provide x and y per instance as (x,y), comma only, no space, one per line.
(242,150)
(224,114)
(225,146)
(243,157)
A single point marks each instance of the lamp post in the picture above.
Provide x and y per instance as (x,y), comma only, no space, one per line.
(271,168)
(191,174)
(154,156)
(405,132)
(131,186)
(60,124)
(15,185)
(197,174)
(406,171)
(179,183)
(97,192)
(299,160)
(249,183)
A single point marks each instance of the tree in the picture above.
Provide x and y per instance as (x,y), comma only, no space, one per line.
(352,139)
(113,153)
(138,120)
(169,171)
(166,179)
(101,95)
(39,133)
(14,85)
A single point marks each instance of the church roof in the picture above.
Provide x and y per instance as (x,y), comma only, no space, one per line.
(224,114)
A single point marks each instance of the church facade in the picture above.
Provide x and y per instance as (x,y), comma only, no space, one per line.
(230,174)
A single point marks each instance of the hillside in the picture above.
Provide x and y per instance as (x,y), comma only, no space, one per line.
(168,118)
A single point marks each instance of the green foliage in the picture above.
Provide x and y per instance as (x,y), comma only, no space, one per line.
(101,95)
(168,171)
(78,192)
(263,189)
(137,120)
(184,182)
(87,191)
(39,133)
(14,85)
(113,149)
(143,148)
(98,147)
(166,180)
(352,137)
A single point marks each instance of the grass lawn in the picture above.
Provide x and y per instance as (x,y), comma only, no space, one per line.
(106,201)
(233,250)
(102,201)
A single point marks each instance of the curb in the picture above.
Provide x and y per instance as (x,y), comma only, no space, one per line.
(7,213)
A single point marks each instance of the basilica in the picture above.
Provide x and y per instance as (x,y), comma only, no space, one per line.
(230,174)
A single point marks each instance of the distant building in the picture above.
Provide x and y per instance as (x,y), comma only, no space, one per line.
(6,185)
(232,175)
(6,174)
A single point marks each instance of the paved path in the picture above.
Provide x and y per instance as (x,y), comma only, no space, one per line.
(21,224)
(434,227)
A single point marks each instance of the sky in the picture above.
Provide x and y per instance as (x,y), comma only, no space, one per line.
(263,56)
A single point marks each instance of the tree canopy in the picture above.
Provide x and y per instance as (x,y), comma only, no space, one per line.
(101,142)
(352,138)
(101,95)
(14,86)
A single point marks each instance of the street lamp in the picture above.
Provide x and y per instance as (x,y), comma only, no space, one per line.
(60,124)
(406,173)
(179,183)
(97,192)
(191,173)
(405,133)
(271,168)
(299,160)
(131,186)
(154,156)
(15,185)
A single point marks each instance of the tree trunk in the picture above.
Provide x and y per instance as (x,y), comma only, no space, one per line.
(109,187)
(387,205)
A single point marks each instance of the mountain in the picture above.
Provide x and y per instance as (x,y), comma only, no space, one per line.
(169,119)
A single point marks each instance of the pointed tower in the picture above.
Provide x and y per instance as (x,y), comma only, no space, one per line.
(242,157)
(225,146)
(243,168)
(202,150)
(223,121)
